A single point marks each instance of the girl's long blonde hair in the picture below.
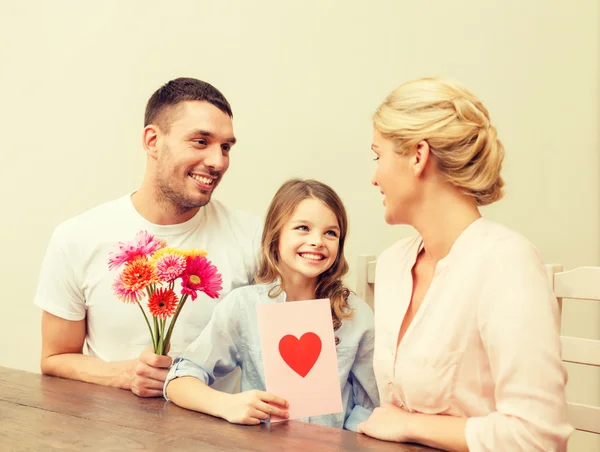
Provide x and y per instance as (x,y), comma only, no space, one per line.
(281,209)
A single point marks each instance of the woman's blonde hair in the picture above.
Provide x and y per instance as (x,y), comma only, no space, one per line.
(457,127)
(281,209)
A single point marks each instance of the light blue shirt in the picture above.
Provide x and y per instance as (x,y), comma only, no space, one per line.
(232,339)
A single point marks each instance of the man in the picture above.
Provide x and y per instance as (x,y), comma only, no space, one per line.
(187,137)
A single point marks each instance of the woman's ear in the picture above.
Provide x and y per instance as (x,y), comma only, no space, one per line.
(421,157)
(150,136)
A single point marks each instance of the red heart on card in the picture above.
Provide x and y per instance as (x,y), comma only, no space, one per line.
(300,354)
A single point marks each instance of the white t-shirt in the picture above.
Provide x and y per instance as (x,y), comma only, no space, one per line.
(75,282)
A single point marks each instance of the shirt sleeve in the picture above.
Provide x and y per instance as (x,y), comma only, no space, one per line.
(217,350)
(364,387)
(519,325)
(256,245)
(58,291)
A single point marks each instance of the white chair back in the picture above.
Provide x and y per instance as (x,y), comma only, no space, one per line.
(365,278)
(581,283)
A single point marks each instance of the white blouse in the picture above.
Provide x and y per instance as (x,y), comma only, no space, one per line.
(484,343)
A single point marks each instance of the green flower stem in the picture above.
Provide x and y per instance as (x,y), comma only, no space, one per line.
(174,319)
(157,337)
(156,333)
(147,323)
(163,345)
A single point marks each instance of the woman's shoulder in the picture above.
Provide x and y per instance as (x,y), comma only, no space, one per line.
(503,242)
(400,250)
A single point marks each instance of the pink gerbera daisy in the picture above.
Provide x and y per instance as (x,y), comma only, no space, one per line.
(201,275)
(123,293)
(144,244)
(170,267)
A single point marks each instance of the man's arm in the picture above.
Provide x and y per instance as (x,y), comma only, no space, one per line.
(62,356)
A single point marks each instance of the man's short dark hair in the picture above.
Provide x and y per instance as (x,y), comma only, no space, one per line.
(180,90)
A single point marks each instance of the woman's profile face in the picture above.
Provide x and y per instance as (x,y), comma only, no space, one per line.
(395,179)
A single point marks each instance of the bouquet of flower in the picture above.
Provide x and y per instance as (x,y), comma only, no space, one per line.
(150,268)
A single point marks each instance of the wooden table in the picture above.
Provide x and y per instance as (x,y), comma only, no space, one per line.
(47,413)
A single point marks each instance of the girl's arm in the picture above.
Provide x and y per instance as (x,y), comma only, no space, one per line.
(365,395)
(217,352)
(364,387)
(193,394)
(248,407)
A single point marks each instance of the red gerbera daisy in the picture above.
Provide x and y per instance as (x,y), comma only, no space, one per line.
(162,303)
(200,275)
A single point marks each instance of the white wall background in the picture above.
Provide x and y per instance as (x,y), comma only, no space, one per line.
(303,80)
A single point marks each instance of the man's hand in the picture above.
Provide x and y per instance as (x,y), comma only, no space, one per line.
(62,356)
(149,374)
(250,407)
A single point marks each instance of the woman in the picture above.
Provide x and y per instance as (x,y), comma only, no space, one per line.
(467,348)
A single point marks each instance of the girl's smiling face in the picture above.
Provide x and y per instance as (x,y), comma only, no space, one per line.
(309,241)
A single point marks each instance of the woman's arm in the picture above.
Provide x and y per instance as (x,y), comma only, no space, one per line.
(390,423)
(519,325)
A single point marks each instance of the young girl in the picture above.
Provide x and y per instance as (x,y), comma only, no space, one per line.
(302,258)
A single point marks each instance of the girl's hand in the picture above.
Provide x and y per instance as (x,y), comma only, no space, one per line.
(250,407)
(388,423)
